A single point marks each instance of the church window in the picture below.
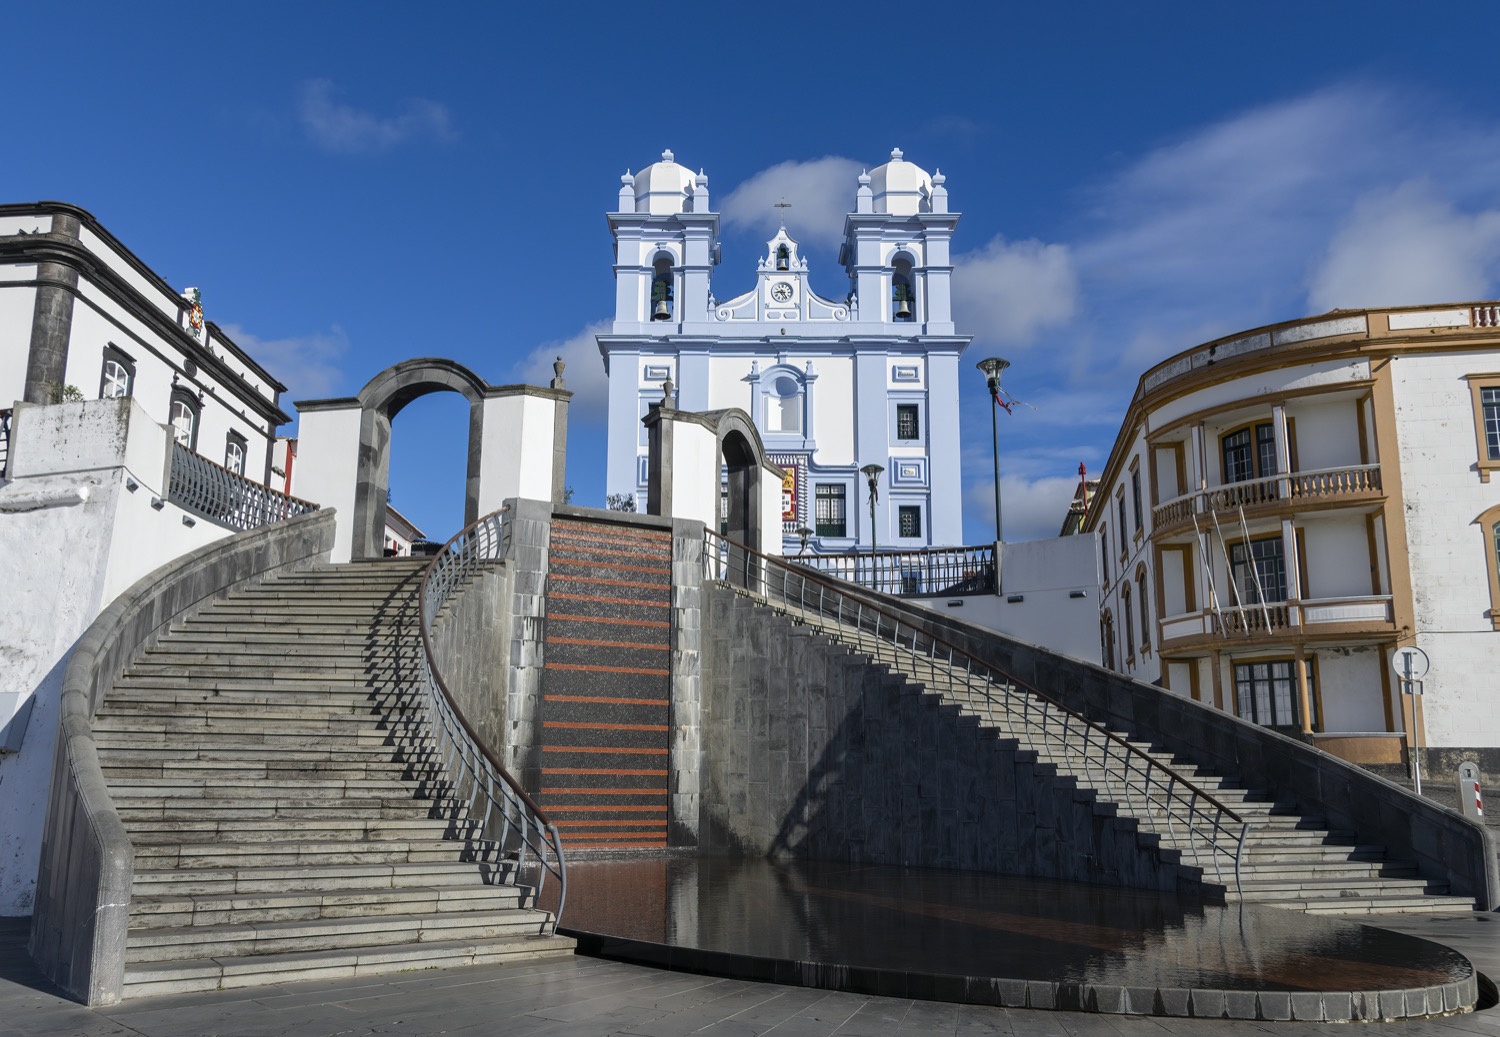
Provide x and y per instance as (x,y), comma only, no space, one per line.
(783,258)
(831,514)
(117,377)
(909,520)
(184,418)
(234,453)
(907,425)
(661,289)
(903,297)
(784,405)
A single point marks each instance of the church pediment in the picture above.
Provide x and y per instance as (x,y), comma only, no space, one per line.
(781,292)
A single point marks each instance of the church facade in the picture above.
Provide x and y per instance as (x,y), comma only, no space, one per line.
(834,385)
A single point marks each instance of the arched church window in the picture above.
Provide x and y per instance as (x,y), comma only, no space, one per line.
(783,258)
(784,405)
(903,296)
(661,288)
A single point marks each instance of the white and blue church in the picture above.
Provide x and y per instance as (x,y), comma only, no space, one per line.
(834,385)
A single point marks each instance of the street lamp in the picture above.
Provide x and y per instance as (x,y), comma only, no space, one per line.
(804,533)
(872,473)
(992,368)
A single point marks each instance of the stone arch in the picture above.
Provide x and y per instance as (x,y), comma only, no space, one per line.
(382,398)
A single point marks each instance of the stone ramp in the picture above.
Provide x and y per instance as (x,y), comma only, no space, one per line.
(271,761)
(606,685)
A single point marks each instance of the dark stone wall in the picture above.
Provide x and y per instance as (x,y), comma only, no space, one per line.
(52,320)
(810,751)
(472,659)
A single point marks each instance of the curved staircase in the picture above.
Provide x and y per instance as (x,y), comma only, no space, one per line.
(288,815)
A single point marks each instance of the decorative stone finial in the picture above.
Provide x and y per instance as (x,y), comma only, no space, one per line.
(668,399)
(895,154)
(667,156)
(628,178)
(938,177)
(557,374)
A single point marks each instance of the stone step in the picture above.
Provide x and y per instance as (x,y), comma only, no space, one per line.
(131,753)
(295,811)
(322,934)
(223,973)
(309,853)
(178,910)
(1381,905)
(1315,887)
(332,878)
(240,771)
(326,830)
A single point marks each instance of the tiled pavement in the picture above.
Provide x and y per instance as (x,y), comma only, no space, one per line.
(580,997)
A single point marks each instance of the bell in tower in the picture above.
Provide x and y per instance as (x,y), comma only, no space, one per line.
(661,291)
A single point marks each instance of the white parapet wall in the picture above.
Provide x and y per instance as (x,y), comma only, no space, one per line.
(327,469)
(83,516)
(1048,596)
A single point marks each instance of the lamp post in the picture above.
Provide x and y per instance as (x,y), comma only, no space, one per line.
(804,533)
(872,473)
(992,368)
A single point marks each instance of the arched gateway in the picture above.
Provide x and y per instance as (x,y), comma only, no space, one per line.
(516,448)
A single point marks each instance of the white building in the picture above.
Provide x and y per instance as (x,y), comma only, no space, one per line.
(868,377)
(127,427)
(1285,508)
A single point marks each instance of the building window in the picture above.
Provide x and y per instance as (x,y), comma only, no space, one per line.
(184,418)
(909,520)
(1489,524)
(907,424)
(1107,635)
(784,405)
(1135,495)
(1120,503)
(1486,391)
(117,377)
(1129,645)
(1268,570)
(1265,692)
(831,515)
(1140,584)
(234,453)
(1104,552)
(1249,453)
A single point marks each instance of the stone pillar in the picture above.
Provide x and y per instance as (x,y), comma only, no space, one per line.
(531,525)
(687,679)
(52,318)
(1304,696)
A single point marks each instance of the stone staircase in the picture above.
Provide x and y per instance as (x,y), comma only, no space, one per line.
(288,816)
(1292,859)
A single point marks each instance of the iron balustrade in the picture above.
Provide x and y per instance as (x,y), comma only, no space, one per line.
(4,442)
(920,573)
(509,816)
(1194,817)
(224,497)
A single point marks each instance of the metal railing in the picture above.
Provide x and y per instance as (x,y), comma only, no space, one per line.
(920,573)
(1193,816)
(5,442)
(507,814)
(224,497)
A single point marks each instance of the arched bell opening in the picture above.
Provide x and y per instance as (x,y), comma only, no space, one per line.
(903,291)
(783,258)
(661,288)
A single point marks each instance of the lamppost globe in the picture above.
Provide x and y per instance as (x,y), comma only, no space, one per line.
(992,367)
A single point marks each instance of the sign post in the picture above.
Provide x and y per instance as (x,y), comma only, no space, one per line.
(1411,665)
(1469,796)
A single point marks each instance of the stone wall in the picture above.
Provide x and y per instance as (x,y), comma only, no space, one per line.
(811,751)
(471,659)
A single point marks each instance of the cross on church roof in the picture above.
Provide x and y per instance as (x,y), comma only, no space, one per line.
(783,205)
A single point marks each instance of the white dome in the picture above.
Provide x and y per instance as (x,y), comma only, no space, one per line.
(901,188)
(663,188)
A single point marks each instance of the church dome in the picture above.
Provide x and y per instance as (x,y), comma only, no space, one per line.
(663,188)
(901,188)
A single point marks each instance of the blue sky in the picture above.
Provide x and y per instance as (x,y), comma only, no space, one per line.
(354,185)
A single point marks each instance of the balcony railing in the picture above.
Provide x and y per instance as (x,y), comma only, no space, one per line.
(1280,618)
(225,498)
(1319,484)
(927,572)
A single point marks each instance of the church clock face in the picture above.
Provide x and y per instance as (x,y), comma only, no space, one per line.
(781,291)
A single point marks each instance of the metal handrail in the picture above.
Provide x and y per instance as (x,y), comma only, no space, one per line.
(915,572)
(1125,768)
(524,828)
(227,498)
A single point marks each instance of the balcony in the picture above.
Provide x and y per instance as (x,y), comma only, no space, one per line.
(1360,616)
(1322,486)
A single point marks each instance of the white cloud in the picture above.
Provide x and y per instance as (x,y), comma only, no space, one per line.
(308,365)
(1033,508)
(1006,292)
(821,192)
(1406,246)
(342,129)
(584,373)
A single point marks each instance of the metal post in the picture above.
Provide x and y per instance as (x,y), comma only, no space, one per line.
(992,368)
(872,473)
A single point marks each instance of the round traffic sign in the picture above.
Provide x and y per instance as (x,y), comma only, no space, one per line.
(1410,663)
